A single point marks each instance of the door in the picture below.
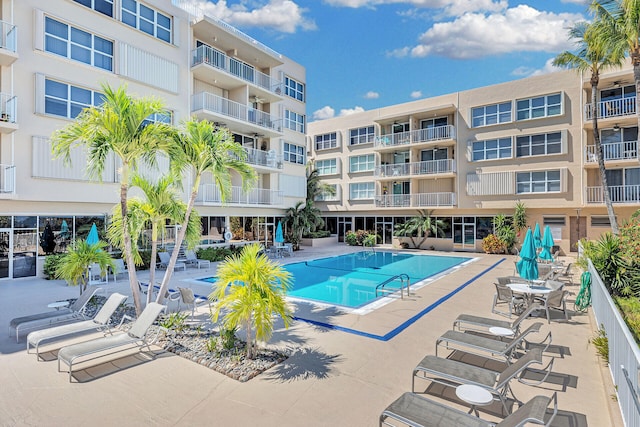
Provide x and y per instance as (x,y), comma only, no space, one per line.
(464,233)
(577,231)
(344,225)
(5,253)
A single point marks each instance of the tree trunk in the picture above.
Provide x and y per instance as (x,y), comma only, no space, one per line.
(250,347)
(152,265)
(131,265)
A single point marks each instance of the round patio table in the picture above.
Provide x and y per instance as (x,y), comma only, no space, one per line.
(476,396)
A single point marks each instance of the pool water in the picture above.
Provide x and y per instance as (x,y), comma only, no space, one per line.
(350,280)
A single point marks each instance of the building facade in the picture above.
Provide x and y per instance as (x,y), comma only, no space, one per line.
(54,58)
(471,155)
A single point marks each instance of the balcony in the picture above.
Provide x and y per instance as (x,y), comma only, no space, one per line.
(209,194)
(8,43)
(613,108)
(415,200)
(429,167)
(8,109)
(229,73)
(618,194)
(245,119)
(618,151)
(7,179)
(416,137)
(264,160)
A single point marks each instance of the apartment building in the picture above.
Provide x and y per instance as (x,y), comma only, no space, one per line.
(471,155)
(55,55)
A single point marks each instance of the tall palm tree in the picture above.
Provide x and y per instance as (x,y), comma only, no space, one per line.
(120,126)
(74,264)
(251,289)
(593,55)
(316,187)
(424,224)
(302,218)
(203,147)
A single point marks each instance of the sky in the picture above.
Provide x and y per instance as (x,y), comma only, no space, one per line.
(366,54)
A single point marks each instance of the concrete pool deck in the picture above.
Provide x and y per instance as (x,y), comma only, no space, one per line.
(332,377)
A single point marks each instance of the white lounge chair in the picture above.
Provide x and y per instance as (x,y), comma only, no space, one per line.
(136,336)
(120,268)
(35,321)
(165,258)
(100,322)
(192,259)
(478,323)
(191,300)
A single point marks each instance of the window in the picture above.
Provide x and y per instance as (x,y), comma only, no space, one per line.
(294,153)
(103,6)
(327,196)
(326,141)
(294,121)
(491,114)
(364,163)
(361,190)
(556,224)
(73,43)
(361,135)
(433,123)
(600,221)
(68,101)
(538,182)
(294,89)
(147,20)
(326,167)
(539,145)
(541,106)
(491,149)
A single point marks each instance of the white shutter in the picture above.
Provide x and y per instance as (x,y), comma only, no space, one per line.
(564,142)
(38,27)
(39,93)
(177,23)
(469,153)
(564,177)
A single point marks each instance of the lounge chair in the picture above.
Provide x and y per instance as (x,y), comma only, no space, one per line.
(136,336)
(453,373)
(165,258)
(74,312)
(97,276)
(471,322)
(100,323)
(192,259)
(120,268)
(418,411)
(495,347)
(191,300)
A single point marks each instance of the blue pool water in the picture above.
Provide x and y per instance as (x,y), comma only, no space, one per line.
(350,280)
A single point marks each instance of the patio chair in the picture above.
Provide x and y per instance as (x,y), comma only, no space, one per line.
(471,322)
(504,295)
(100,323)
(75,311)
(191,300)
(495,347)
(97,276)
(566,275)
(165,258)
(553,284)
(120,268)
(452,373)
(555,300)
(137,336)
(417,411)
(505,280)
(170,295)
(192,259)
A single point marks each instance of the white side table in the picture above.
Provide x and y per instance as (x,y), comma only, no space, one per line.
(476,396)
(58,305)
(501,332)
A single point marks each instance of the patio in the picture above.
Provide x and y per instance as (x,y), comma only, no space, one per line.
(333,377)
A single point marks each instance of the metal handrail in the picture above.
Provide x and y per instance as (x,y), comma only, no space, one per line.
(403,277)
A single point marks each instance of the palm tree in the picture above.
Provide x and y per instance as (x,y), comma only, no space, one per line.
(120,125)
(423,224)
(302,218)
(593,55)
(316,187)
(162,204)
(74,264)
(203,147)
(251,289)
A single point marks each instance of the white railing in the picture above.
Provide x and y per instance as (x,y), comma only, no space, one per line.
(216,59)
(8,36)
(433,199)
(225,107)
(393,201)
(416,136)
(428,167)
(8,108)
(612,108)
(399,169)
(7,178)
(210,194)
(270,159)
(617,193)
(624,355)
(626,150)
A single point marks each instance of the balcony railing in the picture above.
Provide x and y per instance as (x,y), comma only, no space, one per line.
(416,136)
(627,150)
(415,200)
(612,108)
(618,194)
(428,167)
(8,108)
(7,178)
(216,59)
(225,107)
(270,159)
(8,36)
(210,194)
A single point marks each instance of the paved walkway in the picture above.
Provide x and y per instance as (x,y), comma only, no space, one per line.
(333,377)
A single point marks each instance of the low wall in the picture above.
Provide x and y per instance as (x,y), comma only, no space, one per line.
(319,243)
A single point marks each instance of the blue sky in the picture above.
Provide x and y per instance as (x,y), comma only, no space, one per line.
(365,54)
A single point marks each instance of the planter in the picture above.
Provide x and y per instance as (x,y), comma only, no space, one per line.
(319,243)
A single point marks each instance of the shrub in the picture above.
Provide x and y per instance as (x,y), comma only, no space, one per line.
(50,265)
(630,309)
(318,234)
(492,244)
(357,238)
(601,342)
(370,240)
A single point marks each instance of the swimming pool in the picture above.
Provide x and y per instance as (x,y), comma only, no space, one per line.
(350,280)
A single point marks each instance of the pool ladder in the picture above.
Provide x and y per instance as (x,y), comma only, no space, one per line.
(404,280)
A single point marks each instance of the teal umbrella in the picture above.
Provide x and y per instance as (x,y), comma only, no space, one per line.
(64,229)
(279,236)
(537,237)
(528,266)
(93,237)
(547,244)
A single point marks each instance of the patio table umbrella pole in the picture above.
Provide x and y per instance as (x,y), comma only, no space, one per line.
(528,266)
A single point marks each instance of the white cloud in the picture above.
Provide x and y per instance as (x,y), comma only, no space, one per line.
(285,16)
(399,53)
(324,113)
(475,35)
(371,95)
(416,94)
(448,7)
(348,111)
(528,71)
